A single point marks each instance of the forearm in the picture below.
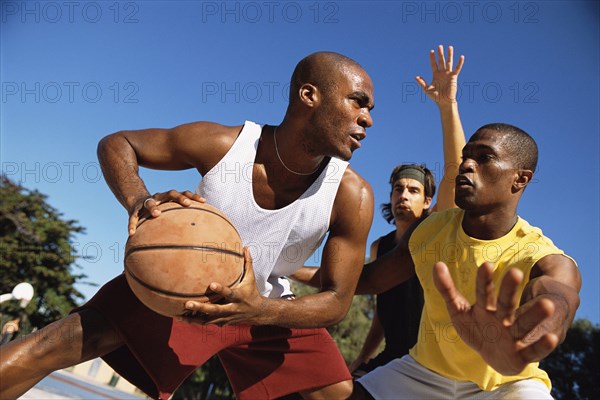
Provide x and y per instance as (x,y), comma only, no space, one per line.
(308,276)
(317,310)
(385,273)
(120,169)
(453,143)
(372,341)
(564,298)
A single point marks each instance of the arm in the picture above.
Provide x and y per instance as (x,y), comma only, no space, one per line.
(371,344)
(308,276)
(556,278)
(442,90)
(375,335)
(197,145)
(391,269)
(342,261)
(525,334)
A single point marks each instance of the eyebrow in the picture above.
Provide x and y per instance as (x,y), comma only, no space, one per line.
(480,147)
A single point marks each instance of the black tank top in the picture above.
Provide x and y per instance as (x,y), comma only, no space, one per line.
(399,309)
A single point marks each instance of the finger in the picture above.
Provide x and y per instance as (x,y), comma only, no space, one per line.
(441,58)
(540,349)
(508,297)
(178,197)
(434,66)
(133,221)
(221,290)
(450,58)
(459,65)
(194,196)
(151,204)
(485,289)
(421,82)
(205,309)
(455,302)
(528,325)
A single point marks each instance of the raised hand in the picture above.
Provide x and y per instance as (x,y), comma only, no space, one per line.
(444,82)
(505,338)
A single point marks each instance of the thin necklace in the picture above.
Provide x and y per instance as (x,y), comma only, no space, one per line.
(281,161)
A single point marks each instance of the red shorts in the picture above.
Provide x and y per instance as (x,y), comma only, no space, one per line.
(261,362)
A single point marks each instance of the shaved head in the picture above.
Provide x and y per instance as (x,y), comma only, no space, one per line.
(520,146)
(321,69)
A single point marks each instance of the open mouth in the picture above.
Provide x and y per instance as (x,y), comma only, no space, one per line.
(463,181)
(358,137)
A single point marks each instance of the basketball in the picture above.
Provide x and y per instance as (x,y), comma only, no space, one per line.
(173,258)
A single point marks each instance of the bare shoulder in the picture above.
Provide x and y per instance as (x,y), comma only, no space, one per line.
(559,267)
(206,141)
(354,200)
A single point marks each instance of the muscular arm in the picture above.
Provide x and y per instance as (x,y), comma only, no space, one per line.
(556,278)
(197,145)
(342,261)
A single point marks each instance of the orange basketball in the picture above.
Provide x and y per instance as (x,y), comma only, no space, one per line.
(173,258)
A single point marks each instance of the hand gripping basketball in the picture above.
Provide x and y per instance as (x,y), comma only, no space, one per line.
(149,205)
(243,303)
(174,258)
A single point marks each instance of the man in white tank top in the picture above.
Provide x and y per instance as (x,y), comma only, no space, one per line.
(298,188)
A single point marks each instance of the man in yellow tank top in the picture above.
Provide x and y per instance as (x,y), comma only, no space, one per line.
(499,295)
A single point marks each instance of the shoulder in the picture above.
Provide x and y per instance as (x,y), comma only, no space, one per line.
(354,189)
(206,143)
(353,201)
(374,249)
(440,218)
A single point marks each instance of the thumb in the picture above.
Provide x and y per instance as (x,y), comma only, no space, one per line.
(455,302)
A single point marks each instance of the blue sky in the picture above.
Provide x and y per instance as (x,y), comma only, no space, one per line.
(73,72)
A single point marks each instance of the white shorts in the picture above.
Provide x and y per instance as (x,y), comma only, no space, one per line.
(404,378)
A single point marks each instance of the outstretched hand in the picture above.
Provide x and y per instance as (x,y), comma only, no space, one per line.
(506,338)
(242,303)
(149,205)
(444,82)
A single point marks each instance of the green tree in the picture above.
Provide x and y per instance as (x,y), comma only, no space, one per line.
(36,247)
(574,367)
(350,333)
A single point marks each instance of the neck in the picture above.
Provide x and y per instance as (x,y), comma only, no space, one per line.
(489,226)
(401,227)
(285,155)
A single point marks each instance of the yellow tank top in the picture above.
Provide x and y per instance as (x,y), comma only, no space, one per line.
(440,237)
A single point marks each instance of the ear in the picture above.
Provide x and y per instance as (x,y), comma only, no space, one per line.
(427,203)
(309,95)
(522,179)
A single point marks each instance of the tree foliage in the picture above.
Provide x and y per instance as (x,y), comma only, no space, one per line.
(574,367)
(36,247)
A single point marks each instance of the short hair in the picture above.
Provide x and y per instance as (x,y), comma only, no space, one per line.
(321,69)
(429,187)
(520,146)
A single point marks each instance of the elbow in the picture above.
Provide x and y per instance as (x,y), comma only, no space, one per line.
(340,305)
(105,143)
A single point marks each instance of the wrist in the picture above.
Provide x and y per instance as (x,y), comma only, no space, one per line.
(448,106)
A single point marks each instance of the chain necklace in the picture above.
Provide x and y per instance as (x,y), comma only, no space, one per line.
(281,161)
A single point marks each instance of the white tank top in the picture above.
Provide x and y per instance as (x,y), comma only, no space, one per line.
(281,240)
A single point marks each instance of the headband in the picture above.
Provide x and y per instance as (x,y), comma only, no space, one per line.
(411,172)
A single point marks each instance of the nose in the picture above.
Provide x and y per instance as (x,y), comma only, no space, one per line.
(365,119)
(467,165)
